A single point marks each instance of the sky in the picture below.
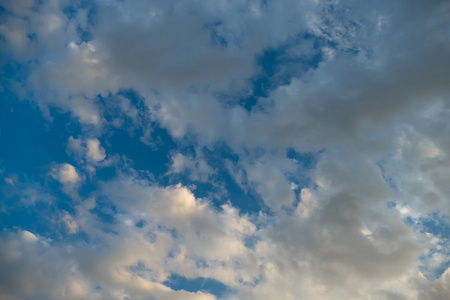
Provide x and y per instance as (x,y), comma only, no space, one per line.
(224,150)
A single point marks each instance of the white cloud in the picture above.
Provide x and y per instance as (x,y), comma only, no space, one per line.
(95,152)
(348,247)
(67,175)
(29,237)
(197,167)
(88,152)
(85,110)
(70,223)
(201,234)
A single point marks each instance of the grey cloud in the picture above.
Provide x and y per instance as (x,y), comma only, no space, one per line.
(32,269)
(394,75)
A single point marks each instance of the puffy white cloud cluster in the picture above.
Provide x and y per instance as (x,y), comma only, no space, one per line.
(67,175)
(348,247)
(90,149)
(155,233)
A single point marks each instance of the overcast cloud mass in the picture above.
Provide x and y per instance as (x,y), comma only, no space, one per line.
(242,149)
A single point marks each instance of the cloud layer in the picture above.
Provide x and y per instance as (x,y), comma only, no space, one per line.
(267,149)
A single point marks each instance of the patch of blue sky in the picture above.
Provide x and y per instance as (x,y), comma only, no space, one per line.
(251,241)
(146,144)
(212,286)
(139,268)
(85,35)
(105,210)
(389,179)
(216,37)
(12,73)
(430,269)
(73,8)
(436,224)
(37,211)
(143,157)
(220,188)
(13,215)
(442,268)
(35,142)
(30,144)
(278,66)
(243,198)
(439,226)
(307,160)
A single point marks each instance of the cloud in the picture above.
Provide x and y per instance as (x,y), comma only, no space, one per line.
(349,247)
(88,152)
(15,31)
(67,175)
(29,192)
(29,237)
(198,168)
(38,269)
(95,152)
(361,85)
(70,223)
(176,49)
(348,97)
(178,234)
(32,268)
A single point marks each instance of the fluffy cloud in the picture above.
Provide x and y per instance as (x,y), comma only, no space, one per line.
(89,149)
(346,249)
(67,175)
(135,261)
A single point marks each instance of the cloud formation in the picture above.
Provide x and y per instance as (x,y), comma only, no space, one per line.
(67,175)
(266,149)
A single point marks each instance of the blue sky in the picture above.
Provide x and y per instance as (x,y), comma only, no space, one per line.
(230,150)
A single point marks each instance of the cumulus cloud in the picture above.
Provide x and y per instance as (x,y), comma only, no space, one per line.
(67,175)
(95,152)
(89,148)
(346,250)
(137,260)
(88,152)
